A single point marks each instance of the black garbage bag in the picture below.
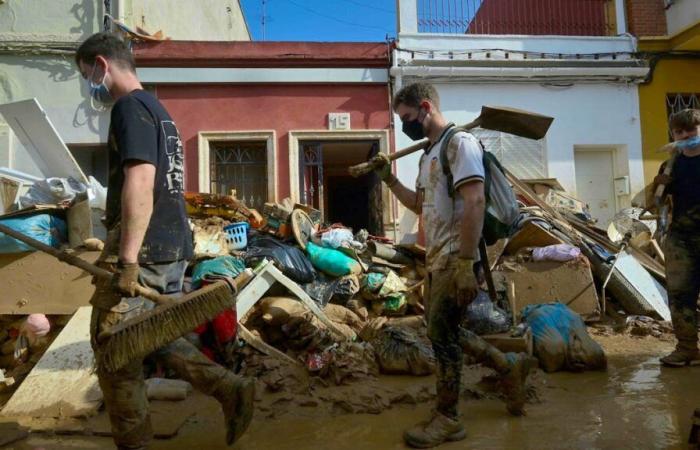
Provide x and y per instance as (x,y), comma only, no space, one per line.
(483,317)
(290,260)
(401,351)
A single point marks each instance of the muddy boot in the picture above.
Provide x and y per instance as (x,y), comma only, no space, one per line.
(514,381)
(695,428)
(438,430)
(237,396)
(681,357)
(513,368)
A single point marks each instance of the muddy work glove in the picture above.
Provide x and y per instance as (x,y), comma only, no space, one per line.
(126,279)
(662,178)
(382,167)
(464,283)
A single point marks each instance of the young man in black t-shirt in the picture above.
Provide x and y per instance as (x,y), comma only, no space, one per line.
(682,244)
(149,242)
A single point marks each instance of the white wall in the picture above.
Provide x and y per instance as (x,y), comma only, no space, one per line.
(682,14)
(584,115)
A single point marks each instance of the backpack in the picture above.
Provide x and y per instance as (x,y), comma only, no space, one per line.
(502,209)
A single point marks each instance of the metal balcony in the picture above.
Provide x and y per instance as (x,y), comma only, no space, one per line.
(517,17)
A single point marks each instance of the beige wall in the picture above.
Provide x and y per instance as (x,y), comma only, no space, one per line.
(200,20)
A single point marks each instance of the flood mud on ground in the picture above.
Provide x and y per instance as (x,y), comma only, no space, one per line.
(635,404)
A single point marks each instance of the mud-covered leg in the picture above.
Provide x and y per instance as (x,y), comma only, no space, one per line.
(235,393)
(514,368)
(683,280)
(443,330)
(124,393)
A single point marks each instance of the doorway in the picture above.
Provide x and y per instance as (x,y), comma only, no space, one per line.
(325,184)
(595,185)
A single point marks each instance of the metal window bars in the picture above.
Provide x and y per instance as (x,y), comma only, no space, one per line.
(517,17)
(240,166)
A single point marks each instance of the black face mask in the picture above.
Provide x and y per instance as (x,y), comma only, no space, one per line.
(414,128)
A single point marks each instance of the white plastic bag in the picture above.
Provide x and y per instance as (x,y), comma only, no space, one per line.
(335,237)
(97,194)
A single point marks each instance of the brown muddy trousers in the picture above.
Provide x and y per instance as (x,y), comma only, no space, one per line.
(682,254)
(124,390)
(450,341)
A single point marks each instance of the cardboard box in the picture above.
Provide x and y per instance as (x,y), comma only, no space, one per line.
(570,283)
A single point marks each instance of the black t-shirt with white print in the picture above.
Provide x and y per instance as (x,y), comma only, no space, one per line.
(142,130)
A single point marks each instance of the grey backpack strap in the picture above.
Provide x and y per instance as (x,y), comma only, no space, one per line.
(445,163)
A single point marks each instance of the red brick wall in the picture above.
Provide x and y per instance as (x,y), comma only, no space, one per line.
(646,17)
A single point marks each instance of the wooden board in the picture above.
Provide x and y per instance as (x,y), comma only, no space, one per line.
(63,382)
(37,283)
(507,343)
(530,235)
(544,282)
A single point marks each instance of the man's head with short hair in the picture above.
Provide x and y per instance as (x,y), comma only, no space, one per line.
(684,124)
(414,94)
(419,103)
(108,46)
(105,59)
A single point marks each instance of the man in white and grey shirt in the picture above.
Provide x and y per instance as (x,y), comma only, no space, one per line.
(453,227)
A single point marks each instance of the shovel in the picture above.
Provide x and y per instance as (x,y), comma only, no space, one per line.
(507,120)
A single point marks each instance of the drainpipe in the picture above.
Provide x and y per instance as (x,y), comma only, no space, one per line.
(620,17)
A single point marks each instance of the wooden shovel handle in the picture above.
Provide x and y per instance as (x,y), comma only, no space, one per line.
(367,167)
(75,261)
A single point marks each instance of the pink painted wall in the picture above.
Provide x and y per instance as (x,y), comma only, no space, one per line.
(281,108)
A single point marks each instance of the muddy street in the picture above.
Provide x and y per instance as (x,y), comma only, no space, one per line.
(635,404)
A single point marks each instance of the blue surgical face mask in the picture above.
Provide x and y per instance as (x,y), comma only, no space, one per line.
(688,144)
(99,92)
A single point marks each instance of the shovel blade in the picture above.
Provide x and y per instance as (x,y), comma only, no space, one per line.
(515,121)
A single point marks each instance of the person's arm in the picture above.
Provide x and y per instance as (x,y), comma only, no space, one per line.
(136,208)
(473,218)
(410,199)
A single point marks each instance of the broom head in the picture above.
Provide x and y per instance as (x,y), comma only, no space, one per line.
(136,338)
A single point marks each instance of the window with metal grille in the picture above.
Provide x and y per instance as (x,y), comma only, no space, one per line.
(676,102)
(525,158)
(240,166)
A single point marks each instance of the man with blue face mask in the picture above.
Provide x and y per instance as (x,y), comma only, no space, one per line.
(453,226)
(682,244)
(149,242)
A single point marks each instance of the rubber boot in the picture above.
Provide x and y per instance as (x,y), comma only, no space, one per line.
(438,430)
(695,429)
(514,368)
(685,329)
(237,396)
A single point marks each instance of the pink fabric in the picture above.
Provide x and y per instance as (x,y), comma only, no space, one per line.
(38,325)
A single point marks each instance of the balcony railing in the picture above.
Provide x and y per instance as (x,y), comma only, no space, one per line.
(527,17)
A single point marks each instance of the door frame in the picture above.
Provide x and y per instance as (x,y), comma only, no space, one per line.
(382,136)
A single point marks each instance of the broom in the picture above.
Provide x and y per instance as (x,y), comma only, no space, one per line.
(140,336)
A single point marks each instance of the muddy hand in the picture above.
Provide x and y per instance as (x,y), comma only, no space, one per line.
(662,179)
(381,165)
(126,279)
(464,282)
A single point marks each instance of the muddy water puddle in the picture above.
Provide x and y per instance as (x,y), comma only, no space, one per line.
(635,404)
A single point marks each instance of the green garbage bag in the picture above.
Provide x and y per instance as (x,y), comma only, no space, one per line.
(332,261)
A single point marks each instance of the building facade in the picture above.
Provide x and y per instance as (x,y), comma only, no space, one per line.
(573,61)
(38,39)
(271,120)
(673,51)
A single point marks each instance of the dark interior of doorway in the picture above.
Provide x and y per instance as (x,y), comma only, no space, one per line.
(354,202)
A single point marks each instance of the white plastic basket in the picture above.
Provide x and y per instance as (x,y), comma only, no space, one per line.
(237,235)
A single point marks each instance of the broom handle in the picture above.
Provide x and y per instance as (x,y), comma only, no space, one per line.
(75,261)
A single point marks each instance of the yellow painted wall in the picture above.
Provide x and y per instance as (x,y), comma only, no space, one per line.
(670,76)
